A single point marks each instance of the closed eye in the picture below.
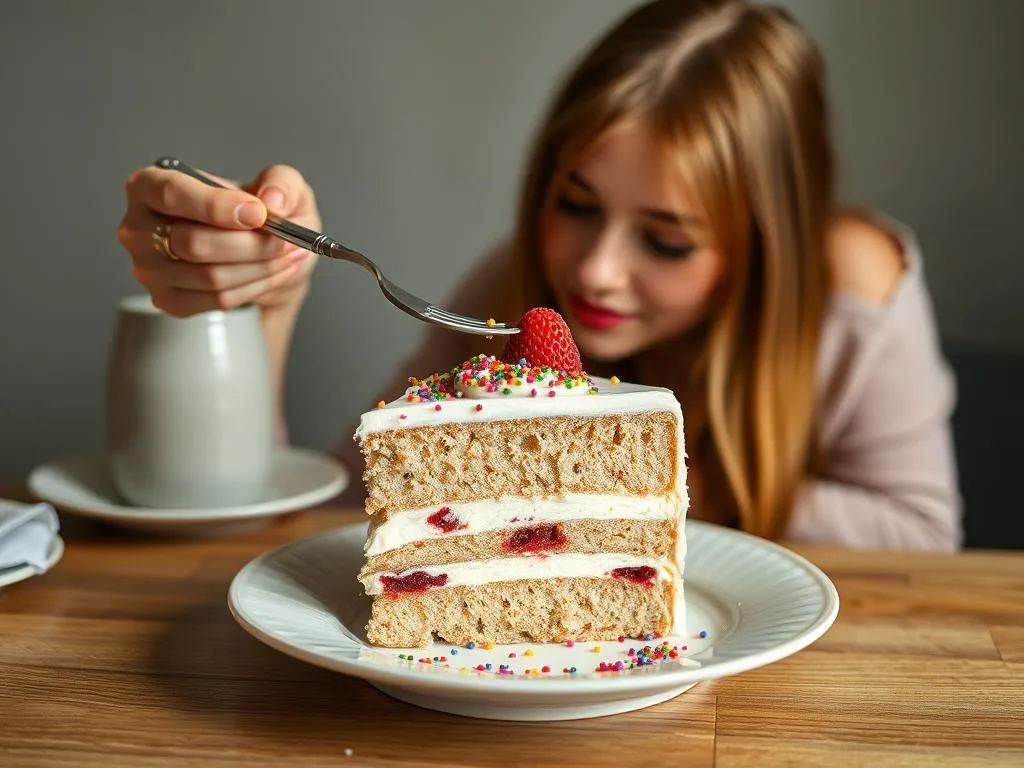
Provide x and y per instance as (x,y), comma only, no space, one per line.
(667,250)
(579,210)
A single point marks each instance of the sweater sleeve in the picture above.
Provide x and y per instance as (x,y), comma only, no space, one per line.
(889,478)
(437,350)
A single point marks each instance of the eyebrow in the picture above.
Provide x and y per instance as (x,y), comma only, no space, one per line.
(652,213)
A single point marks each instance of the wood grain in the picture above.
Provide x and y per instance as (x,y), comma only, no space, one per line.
(125,654)
(1009,642)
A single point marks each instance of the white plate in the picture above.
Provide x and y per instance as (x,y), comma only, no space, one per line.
(21,572)
(756,602)
(82,485)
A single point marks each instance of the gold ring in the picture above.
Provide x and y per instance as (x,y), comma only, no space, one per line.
(162,241)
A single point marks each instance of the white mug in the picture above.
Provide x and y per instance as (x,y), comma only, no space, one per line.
(190,407)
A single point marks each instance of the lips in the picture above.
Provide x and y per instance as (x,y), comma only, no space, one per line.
(593,316)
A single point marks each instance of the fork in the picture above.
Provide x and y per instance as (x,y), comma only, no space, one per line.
(322,245)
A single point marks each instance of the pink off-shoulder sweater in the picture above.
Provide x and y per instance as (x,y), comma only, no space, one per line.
(885,397)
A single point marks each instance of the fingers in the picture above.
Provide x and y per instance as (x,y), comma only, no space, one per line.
(185,302)
(211,277)
(221,262)
(199,243)
(209,259)
(285,193)
(175,195)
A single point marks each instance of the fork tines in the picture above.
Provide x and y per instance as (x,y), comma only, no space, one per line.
(442,314)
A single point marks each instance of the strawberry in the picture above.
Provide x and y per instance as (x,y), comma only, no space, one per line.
(544,339)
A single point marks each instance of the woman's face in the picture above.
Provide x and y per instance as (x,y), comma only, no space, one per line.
(629,263)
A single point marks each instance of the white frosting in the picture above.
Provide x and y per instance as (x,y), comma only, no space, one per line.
(567,566)
(537,389)
(610,399)
(680,553)
(478,517)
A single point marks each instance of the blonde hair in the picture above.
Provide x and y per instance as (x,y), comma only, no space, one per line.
(734,92)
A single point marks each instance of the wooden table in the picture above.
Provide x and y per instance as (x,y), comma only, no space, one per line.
(125,655)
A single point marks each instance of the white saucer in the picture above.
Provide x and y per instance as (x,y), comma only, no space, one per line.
(757,603)
(82,485)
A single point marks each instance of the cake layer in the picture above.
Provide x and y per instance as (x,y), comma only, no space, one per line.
(635,454)
(518,503)
(392,530)
(655,539)
(541,611)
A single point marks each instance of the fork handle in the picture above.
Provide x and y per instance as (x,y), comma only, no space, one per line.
(311,240)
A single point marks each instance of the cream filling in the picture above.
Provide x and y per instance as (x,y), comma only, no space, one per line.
(408,526)
(562,566)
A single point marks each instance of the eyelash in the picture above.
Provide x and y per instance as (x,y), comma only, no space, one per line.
(667,251)
(583,211)
(578,210)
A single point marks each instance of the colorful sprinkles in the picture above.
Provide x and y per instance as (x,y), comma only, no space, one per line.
(433,388)
(493,376)
(496,376)
(632,657)
(641,657)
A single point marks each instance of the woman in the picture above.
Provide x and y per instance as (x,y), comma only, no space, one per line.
(679,210)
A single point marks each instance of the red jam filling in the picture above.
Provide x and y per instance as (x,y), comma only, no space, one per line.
(535,538)
(445,519)
(416,582)
(643,574)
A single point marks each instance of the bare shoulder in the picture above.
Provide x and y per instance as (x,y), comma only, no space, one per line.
(866,260)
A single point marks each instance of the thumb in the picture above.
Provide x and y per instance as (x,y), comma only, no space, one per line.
(284,192)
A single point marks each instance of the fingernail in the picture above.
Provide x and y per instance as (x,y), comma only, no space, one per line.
(298,256)
(249,214)
(273,198)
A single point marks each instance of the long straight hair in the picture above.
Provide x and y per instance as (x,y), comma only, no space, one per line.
(734,93)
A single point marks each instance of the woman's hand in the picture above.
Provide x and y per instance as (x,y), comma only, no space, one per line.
(217,260)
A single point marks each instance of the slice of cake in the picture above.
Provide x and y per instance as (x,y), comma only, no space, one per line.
(524,501)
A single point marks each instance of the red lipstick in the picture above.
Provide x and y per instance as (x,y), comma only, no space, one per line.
(593,316)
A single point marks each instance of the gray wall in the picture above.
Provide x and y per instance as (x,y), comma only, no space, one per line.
(410,118)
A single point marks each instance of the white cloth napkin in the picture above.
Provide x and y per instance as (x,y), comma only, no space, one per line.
(26,532)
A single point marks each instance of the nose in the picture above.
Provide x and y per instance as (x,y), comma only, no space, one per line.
(603,269)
